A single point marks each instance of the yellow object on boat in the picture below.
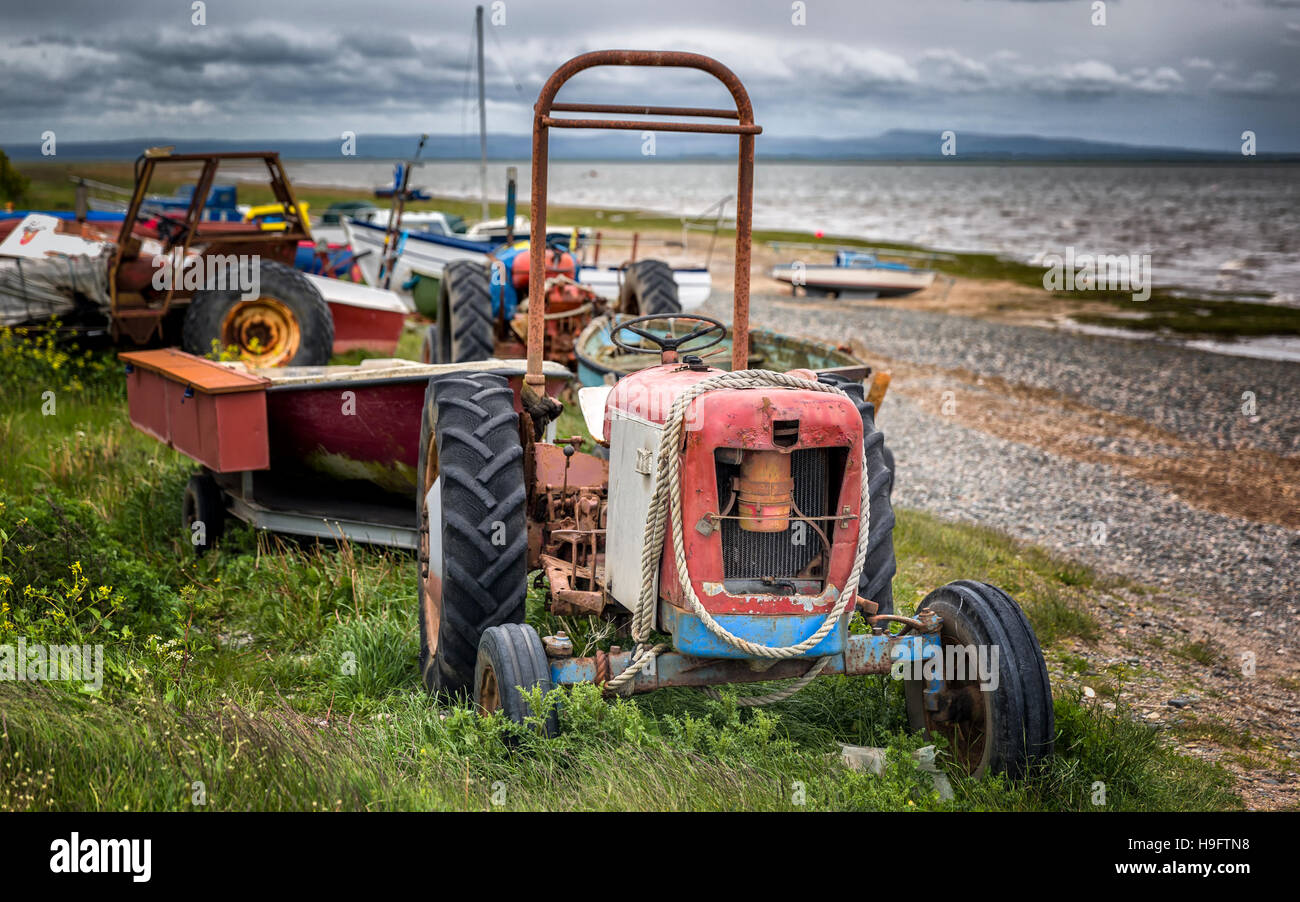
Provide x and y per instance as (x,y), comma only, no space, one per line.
(260,210)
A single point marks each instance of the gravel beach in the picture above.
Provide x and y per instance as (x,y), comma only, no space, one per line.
(1150,534)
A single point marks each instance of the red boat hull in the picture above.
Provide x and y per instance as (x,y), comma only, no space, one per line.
(364,327)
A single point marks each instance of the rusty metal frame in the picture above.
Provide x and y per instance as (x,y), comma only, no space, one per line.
(745,129)
(297,225)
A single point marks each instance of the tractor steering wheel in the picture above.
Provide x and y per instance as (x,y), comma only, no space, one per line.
(666,345)
(169,230)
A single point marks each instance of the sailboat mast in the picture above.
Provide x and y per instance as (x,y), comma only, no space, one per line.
(482,115)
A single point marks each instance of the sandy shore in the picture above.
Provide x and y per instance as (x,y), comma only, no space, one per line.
(997,300)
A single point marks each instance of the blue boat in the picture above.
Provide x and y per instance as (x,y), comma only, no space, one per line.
(389,191)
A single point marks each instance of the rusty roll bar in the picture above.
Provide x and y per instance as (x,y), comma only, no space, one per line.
(744,129)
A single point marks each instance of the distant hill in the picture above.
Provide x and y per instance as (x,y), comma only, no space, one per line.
(905,145)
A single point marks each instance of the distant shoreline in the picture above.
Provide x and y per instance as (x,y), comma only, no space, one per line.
(1224,160)
(1174,310)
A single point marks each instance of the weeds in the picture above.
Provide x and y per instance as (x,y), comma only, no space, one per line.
(273,674)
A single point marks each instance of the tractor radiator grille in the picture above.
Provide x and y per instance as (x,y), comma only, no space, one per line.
(770,556)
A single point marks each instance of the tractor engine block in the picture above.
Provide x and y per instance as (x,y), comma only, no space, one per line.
(568,515)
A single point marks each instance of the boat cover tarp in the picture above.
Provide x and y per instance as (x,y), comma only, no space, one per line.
(33,290)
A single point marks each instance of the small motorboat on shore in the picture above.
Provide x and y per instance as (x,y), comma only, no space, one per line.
(855,273)
(400,186)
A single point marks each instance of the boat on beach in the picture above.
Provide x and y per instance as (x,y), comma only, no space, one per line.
(855,273)
(422,256)
(399,187)
(601,362)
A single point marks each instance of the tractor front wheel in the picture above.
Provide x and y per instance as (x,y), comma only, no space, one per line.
(473,535)
(1000,721)
(511,658)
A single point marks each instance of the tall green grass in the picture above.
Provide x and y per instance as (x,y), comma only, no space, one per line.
(275,674)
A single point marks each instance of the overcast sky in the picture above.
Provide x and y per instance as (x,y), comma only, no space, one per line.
(1192,73)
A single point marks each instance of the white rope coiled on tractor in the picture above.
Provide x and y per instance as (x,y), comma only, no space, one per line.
(667,500)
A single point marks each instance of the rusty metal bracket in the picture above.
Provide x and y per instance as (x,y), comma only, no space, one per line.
(924,622)
(745,129)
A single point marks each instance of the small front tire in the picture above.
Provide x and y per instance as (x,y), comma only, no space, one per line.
(1009,729)
(510,658)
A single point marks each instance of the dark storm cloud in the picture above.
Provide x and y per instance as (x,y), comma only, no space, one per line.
(1191,72)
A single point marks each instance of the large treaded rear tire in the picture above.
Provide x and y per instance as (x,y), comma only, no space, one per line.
(207,311)
(1010,729)
(877,581)
(469,440)
(464,328)
(648,288)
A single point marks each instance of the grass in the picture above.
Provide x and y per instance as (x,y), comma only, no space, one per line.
(275,674)
(1205,652)
(1166,311)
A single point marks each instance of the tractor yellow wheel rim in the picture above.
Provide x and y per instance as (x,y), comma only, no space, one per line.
(264,331)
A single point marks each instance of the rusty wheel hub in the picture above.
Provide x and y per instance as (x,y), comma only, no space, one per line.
(962,717)
(489,694)
(265,331)
(430,581)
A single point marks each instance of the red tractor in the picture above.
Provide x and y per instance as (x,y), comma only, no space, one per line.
(482,306)
(737,524)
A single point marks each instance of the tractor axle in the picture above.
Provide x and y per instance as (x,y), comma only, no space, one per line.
(862,654)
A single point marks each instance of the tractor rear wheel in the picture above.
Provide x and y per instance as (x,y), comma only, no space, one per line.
(877,581)
(464,328)
(510,658)
(287,324)
(473,535)
(648,288)
(1008,729)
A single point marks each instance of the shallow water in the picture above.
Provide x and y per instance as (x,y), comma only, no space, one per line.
(1207,228)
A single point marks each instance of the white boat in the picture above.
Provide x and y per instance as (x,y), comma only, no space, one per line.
(855,273)
(418,251)
(428,254)
(433,221)
(498,229)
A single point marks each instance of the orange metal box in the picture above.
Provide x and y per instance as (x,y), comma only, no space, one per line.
(212,413)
